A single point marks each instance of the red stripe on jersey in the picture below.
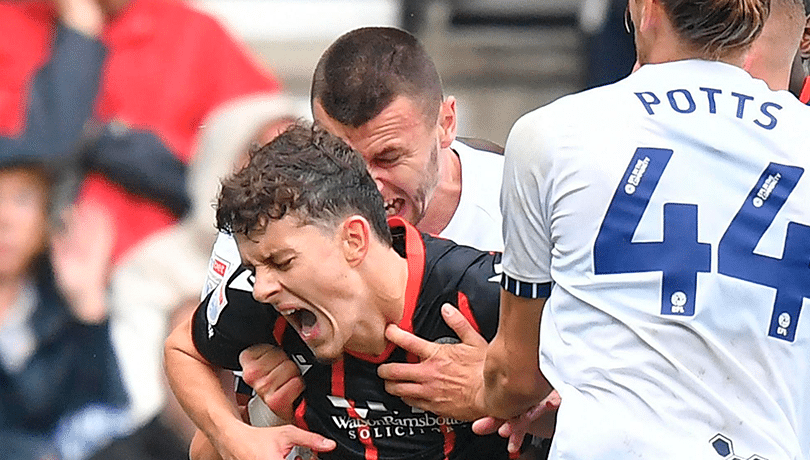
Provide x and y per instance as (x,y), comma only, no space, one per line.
(364,433)
(415,251)
(338,379)
(449,440)
(464,308)
(415,254)
(298,418)
(339,390)
(805,94)
(278,329)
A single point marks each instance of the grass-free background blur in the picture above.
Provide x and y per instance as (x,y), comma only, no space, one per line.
(500,58)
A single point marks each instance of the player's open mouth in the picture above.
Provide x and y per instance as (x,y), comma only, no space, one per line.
(302,320)
(394,206)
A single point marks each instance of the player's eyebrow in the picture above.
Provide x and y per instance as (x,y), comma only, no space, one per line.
(274,256)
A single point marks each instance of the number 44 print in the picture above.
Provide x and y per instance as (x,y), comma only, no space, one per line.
(680,256)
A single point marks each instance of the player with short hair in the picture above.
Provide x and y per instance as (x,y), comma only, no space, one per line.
(327,277)
(773,54)
(657,237)
(379,90)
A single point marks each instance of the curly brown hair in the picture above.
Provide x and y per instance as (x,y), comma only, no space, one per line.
(306,172)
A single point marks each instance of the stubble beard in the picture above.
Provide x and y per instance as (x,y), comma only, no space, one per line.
(424,193)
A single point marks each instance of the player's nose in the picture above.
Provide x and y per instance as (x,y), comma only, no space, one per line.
(376,175)
(266,285)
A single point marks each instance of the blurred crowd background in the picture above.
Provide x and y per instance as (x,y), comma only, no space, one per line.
(117,119)
(500,58)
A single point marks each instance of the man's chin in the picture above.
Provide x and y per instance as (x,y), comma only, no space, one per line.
(325,356)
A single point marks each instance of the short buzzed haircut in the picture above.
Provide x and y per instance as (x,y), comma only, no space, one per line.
(364,70)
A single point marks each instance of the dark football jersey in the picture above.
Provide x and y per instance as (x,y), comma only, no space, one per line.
(346,401)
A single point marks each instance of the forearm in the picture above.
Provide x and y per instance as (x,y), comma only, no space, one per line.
(202,449)
(60,99)
(197,387)
(512,379)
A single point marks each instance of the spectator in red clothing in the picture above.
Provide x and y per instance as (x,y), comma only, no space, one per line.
(167,66)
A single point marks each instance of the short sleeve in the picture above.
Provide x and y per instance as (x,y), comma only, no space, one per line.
(527,256)
(229,320)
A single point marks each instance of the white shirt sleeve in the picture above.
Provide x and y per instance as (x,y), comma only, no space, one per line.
(524,201)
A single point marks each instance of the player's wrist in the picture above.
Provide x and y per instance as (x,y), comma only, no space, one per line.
(225,433)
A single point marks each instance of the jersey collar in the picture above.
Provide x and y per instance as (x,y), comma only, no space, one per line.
(415,255)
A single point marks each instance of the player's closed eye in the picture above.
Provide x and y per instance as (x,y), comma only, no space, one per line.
(388,158)
(282,265)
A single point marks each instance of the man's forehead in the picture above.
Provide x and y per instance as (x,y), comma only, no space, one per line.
(397,127)
(268,234)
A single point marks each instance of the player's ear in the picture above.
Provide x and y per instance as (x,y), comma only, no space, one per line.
(447,122)
(648,14)
(355,235)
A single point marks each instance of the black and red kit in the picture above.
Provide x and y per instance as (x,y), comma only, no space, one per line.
(346,401)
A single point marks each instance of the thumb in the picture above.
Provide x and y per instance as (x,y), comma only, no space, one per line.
(459,324)
(269,354)
(314,441)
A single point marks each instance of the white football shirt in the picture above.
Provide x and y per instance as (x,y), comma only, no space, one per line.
(670,213)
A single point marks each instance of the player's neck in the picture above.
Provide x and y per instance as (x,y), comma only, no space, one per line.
(386,279)
(658,42)
(446,197)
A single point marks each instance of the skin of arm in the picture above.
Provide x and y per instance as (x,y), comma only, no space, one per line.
(512,380)
(83,16)
(201,448)
(197,387)
(540,421)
